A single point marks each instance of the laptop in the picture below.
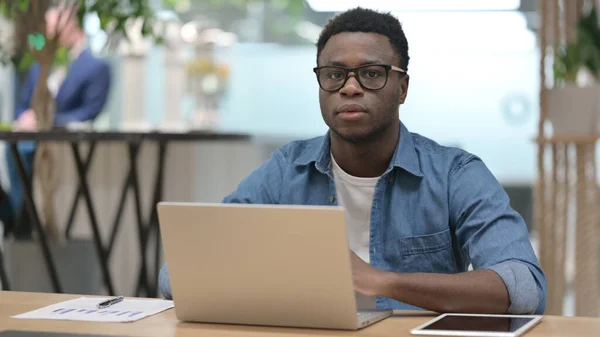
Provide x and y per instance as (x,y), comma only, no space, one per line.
(268,265)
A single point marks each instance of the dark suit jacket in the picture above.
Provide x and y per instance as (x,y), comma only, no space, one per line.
(82,95)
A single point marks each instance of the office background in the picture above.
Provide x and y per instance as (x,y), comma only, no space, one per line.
(474,85)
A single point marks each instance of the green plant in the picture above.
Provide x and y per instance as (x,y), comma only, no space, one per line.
(27,15)
(293,7)
(588,32)
(279,16)
(583,52)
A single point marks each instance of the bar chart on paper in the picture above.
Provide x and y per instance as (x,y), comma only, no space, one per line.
(92,312)
(84,309)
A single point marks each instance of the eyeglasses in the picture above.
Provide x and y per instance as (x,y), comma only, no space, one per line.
(370,76)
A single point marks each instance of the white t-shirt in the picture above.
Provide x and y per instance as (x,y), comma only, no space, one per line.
(355,194)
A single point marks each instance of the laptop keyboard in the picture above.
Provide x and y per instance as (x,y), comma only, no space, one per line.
(364,316)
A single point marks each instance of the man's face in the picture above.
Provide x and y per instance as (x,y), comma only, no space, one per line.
(58,21)
(354,113)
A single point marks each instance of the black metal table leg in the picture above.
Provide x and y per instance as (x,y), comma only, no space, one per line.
(79,192)
(35,218)
(93,220)
(158,194)
(3,275)
(134,148)
(117,221)
(153,223)
(4,281)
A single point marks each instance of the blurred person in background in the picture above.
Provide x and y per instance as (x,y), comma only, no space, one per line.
(80,90)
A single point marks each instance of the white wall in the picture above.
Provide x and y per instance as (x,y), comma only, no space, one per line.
(464,67)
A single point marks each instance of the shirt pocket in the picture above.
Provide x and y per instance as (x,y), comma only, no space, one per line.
(430,253)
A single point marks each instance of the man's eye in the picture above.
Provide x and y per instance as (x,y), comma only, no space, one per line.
(370,74)
(336,75)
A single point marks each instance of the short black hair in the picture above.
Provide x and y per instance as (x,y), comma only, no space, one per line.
(367,21)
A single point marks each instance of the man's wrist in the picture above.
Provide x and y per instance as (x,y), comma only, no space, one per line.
(386,283)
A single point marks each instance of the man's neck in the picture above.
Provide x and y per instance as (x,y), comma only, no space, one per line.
(77,47)
(369,159)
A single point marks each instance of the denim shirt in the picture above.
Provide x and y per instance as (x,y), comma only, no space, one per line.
(436,209)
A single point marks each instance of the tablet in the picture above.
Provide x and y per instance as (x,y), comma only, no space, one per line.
(478,325)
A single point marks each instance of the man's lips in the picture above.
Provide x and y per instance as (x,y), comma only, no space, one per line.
(350,108)
(351,112)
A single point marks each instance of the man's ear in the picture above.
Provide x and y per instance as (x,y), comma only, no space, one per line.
(404,88)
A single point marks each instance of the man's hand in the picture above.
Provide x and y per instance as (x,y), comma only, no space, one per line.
(27,121)
(461,292)
(367,279)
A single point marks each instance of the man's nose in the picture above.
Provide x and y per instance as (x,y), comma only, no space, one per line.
(352,87)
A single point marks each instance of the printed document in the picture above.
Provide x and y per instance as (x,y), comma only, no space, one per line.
(85,309)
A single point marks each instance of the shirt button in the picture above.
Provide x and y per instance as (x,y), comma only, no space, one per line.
(390,180)
(331,199)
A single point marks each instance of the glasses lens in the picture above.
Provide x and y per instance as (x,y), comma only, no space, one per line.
(372,77)
(332,78)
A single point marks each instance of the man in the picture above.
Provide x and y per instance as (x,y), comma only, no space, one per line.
(418,214)
(80,91)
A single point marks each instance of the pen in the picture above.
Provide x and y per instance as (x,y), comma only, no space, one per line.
(109,302)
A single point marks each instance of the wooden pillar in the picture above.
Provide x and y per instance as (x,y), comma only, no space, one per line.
(566,193)
(586,249)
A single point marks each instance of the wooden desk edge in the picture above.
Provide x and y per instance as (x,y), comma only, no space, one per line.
(165,324)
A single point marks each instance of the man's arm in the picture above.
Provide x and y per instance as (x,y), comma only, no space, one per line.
(262,186)
(480,291)
(26,92)
(506,278)
(94,98)
(494,236)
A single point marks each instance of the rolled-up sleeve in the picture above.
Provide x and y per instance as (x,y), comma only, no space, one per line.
(491,235)
(521,286)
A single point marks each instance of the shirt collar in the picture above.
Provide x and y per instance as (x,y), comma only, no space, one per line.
(405,155)
(77,49)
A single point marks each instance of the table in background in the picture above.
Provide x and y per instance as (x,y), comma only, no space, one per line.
(166,325)
(133,140)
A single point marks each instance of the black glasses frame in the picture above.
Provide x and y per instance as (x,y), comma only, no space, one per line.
(347,71)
